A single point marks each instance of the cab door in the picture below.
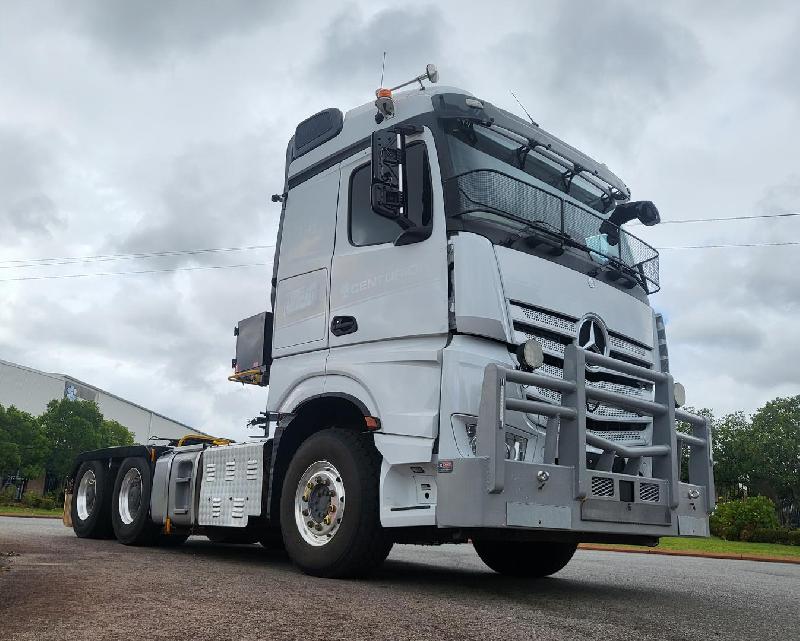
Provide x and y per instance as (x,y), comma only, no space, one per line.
(381,291)
(306,248)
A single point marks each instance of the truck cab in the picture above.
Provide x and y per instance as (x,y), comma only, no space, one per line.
(460,347)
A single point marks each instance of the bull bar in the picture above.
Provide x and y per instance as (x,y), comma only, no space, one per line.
(566,436)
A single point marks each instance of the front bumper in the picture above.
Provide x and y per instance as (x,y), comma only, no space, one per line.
(561,493)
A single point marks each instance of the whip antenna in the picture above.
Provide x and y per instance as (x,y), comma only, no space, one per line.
(535,124)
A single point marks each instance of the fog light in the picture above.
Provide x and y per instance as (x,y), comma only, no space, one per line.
(530,354)
(680,395)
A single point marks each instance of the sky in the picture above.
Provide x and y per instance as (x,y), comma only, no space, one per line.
(149,127)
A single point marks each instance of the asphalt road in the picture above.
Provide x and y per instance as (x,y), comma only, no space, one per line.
(61,587)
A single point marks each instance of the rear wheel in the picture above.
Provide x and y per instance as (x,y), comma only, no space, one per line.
(130,504)
(91,501)
(329,506)
(525,559)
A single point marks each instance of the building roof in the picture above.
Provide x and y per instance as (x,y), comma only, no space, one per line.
(66,377)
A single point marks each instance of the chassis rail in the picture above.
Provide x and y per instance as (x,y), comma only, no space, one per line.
(566,436)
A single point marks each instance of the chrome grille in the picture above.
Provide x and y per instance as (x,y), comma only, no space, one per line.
(627,435)
(554,332)
(629,346)
(602,486)
(542,317)
(649,492)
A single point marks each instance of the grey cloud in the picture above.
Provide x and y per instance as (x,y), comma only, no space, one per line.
(353,49)
(216,195)
(614,64)
(28,167)
(145,31)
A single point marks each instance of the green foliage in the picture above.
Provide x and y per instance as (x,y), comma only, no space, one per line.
(739,520)
(31,445)
(7,495)
(77,426)
(23,445)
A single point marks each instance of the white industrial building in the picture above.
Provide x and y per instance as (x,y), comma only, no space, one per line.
(31,390)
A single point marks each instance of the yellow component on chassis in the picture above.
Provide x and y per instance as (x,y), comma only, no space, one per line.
(248,377)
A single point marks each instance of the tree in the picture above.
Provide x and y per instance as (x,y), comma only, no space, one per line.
(773,450)
(23,445)
(72,427)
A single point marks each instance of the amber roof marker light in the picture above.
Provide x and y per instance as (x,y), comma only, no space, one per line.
(383,96)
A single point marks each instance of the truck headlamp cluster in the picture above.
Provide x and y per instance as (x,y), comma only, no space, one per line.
(530,355)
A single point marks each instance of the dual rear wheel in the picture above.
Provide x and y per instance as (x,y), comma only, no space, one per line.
(115,500)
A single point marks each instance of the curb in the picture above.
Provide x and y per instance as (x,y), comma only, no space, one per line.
(698,554)
(30,516)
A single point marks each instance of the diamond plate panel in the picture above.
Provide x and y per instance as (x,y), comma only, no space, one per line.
(231,488)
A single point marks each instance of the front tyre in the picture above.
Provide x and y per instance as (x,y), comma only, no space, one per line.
(329,506)
(525,559)
(130,504)
(91,501)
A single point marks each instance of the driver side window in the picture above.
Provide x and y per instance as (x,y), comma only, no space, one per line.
(368,228)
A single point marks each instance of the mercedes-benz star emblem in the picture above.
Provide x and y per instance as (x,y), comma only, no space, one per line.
(593,335)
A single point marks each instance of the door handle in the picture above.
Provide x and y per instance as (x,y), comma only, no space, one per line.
(341,325)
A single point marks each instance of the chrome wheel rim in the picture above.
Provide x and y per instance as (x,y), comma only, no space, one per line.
(130,496)
(87,493)
(319,503)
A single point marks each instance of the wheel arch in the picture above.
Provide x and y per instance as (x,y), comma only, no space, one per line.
(310,416)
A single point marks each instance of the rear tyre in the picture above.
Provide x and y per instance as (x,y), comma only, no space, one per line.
(272,539)
(130,504)
(525,559)
(91,501)
(329,506)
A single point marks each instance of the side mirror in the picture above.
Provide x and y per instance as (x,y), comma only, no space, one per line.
(387,194)
(432,72)
(644,210)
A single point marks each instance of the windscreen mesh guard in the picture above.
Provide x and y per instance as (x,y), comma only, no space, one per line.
(486,190)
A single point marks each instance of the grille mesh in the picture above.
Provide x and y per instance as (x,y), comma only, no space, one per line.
(649,492)
(550,320)
(628,346)
(602,486)
(487,190)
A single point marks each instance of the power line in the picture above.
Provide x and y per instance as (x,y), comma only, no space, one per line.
(102,258)
(720,219)
(132,273)
(783,244)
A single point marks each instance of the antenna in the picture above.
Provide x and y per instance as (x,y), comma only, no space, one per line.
(383,68)
(535,124)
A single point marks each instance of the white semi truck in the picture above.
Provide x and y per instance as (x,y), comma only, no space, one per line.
(461,349)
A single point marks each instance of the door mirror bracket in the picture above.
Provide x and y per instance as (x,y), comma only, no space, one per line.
(389,188)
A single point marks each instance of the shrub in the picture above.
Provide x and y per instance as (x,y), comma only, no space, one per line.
(31,499)
(7,495)
(793,537)
(47,503)
(740,519)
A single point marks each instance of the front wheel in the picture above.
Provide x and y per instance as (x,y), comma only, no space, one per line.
(525,559)
(329,506)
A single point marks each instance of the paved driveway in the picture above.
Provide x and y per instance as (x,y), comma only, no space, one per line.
(60,587)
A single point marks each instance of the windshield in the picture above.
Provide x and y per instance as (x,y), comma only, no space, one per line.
(498,183)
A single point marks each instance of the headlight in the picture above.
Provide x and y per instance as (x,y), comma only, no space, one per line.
(530,354)
(680,395)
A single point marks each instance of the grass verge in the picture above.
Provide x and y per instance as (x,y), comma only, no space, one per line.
(719,546)
(19,510)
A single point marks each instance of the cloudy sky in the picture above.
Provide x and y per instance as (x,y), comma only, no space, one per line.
(146,127)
